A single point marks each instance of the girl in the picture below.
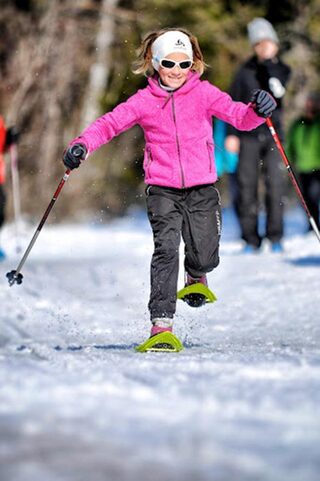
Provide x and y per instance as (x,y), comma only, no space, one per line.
(175,111)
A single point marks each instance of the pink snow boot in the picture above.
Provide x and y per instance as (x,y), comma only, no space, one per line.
(191,280)
(161,324)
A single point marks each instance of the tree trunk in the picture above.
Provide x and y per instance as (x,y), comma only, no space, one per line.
(100,69)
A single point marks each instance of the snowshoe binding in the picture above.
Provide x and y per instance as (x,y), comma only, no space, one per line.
(196,292)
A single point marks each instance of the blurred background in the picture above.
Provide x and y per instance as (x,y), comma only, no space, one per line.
(65,62)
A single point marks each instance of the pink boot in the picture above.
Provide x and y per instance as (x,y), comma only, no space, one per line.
(195,299)
(157,330)
(161,324)
(191,280)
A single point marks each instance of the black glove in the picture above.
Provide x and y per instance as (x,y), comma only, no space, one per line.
(12,136)
(263,103)
(73,155)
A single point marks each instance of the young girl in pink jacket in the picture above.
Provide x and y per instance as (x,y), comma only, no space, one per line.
(175,111)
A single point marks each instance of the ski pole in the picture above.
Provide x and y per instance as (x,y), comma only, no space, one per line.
(15,275)
(292,176)
(15,190)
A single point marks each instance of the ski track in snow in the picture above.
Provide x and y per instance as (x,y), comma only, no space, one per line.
(240,403)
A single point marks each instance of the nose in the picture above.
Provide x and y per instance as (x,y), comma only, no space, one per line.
(176,69)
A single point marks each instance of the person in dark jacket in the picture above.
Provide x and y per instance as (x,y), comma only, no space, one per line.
(257,152)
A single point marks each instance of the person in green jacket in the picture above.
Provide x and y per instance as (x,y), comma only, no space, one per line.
(303,148)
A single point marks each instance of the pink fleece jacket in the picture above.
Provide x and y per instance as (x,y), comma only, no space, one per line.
(179,150)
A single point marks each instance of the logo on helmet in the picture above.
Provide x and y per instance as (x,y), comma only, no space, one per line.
(179,43)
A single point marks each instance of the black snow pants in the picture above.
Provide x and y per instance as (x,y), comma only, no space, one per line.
(2,205)
(259,155)
(194,213)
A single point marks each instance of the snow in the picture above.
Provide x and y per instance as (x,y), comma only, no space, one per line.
(239,403)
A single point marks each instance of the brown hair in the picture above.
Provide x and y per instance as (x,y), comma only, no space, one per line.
(143,64)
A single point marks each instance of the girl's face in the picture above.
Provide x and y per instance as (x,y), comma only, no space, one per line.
(176,76)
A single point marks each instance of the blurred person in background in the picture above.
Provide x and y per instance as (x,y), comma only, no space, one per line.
(303,149)
(7,138)
(257,152)
(175,111)
(226,162)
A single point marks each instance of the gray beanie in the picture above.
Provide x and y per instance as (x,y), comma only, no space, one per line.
(260,29)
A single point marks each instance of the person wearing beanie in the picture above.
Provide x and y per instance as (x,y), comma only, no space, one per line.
(257,155)
(175,112)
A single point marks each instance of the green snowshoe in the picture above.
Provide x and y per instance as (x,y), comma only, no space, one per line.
(163,342)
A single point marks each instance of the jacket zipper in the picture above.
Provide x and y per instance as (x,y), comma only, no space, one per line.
(210,159)
(167,100)
(178,143)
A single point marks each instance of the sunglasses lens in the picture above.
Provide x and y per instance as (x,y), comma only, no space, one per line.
(185,64)
(170,63)
(167,63)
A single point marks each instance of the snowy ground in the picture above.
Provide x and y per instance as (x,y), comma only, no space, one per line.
(240,403)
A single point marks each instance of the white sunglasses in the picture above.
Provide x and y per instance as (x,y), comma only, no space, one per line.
(183,64)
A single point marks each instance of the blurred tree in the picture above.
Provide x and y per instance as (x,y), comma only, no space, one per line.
(51,58)
(43,80)
(302,35)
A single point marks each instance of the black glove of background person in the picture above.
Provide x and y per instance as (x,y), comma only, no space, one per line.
(263,103)
(73,156)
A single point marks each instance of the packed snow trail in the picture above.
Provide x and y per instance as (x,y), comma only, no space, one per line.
(240,402)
